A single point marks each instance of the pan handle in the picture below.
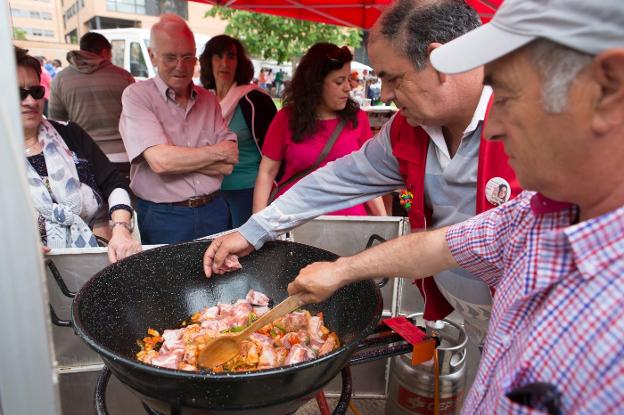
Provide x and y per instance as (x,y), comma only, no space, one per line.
(59,279)
(371,240)
(63,287)
(56,320)
(380,346)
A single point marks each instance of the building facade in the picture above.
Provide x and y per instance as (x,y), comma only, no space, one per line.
(36,20)
(52,27)
(80,16)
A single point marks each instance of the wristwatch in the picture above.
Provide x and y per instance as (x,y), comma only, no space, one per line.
(129,226)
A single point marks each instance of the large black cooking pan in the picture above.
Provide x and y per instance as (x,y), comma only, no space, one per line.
(160,288)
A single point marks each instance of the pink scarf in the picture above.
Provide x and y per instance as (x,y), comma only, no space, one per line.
(230,101)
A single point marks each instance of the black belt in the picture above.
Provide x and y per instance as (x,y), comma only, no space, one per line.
(198,201)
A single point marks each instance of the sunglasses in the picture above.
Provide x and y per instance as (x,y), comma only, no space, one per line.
(341,55)
(37,92)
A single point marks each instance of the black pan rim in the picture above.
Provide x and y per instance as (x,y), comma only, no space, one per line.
(225,376)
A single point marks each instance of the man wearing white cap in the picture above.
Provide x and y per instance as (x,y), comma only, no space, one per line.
(556,255)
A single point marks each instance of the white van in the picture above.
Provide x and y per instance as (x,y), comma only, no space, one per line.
(130,50)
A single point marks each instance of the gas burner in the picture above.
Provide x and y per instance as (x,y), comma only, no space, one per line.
(341,407)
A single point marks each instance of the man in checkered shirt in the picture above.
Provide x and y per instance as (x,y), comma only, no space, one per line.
(555,343)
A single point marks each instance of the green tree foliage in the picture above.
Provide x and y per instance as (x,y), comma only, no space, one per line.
(19,34)
(277,38)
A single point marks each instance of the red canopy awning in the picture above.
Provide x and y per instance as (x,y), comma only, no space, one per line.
(351,13)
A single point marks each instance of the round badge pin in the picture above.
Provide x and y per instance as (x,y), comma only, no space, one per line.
(497,191)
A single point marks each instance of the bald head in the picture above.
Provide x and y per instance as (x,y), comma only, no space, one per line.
(170,25)
(172,51)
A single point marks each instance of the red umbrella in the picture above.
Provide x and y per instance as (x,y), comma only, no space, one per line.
(352,13)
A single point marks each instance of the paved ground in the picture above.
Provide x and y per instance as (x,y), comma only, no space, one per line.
(364,406)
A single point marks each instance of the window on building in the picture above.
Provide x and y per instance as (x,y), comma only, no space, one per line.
(73,9)
(35,32)
(148,7)
(72,37)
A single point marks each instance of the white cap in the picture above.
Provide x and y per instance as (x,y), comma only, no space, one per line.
(589,26)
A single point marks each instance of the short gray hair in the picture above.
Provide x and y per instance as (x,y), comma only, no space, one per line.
(558,66)
(412,25)
(167,21)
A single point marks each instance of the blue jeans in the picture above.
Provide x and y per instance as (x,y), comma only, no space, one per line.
(165,223)
(240,203)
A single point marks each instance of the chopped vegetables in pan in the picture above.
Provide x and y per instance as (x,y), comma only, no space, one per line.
(294,338)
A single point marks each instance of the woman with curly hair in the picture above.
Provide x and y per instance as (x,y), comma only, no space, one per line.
(316,107)
(248,111)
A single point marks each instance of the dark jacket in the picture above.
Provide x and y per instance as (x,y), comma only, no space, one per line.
(258,110)
(106,175)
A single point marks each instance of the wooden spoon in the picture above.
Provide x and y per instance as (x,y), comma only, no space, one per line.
(219,350)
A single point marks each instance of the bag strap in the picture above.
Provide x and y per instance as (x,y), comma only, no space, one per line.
(326,149)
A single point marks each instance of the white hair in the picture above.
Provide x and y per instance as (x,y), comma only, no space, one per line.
(558,66)
(169,21)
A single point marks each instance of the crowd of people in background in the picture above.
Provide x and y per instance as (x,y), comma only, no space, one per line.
(365,87)
(195,150)
(364,83)
(272,82)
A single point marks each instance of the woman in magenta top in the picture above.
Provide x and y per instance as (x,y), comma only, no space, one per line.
(314,103)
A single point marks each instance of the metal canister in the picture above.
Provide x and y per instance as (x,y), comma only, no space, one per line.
(411,388)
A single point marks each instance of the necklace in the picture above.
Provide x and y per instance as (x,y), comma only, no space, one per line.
(28,150)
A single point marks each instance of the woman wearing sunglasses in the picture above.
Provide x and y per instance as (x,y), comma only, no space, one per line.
(69,176)
(318,124)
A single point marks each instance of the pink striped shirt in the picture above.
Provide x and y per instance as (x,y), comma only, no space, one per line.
(150,117)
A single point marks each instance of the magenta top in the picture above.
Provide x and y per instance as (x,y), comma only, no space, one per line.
(278,146)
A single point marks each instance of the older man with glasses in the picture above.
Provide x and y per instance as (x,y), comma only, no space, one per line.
(178,144)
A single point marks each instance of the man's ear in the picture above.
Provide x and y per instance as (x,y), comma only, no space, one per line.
(608,72)
(432,46)
(152,55)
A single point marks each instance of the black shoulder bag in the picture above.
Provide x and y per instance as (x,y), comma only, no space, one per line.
(319,160)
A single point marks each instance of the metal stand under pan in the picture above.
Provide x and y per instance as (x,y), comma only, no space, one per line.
(162,408)
(379,345)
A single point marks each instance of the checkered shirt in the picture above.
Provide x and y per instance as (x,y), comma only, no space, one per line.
(558,313)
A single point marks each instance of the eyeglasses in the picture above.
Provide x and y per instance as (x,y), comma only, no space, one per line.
(37,92)
(171,60)
(341,55)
